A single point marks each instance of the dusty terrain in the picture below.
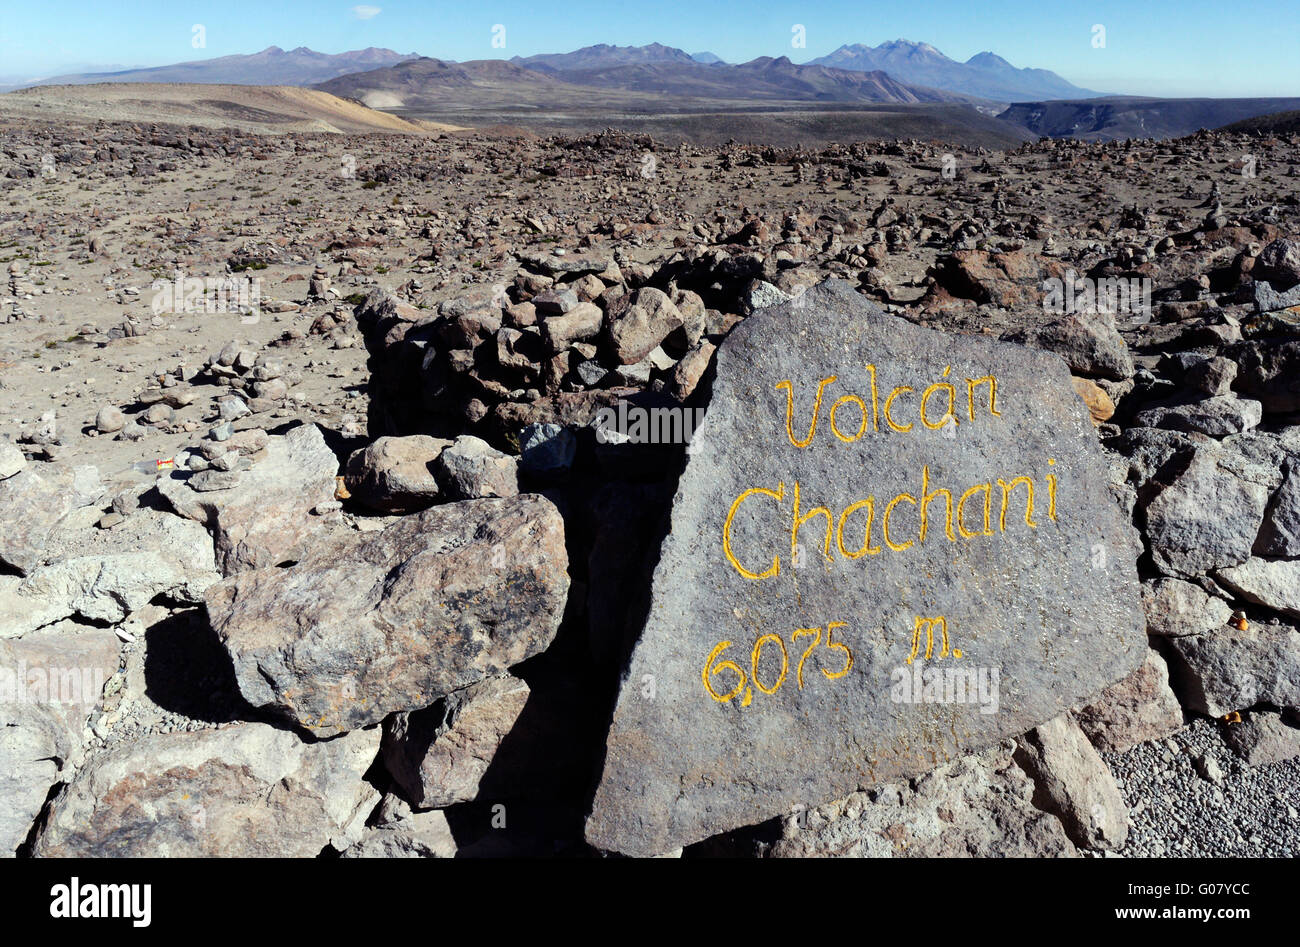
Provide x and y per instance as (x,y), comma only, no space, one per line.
(452,213)
(481,239)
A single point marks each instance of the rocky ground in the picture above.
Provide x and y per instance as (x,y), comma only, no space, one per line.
(227,522)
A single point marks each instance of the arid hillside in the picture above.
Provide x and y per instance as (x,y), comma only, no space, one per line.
(262,109)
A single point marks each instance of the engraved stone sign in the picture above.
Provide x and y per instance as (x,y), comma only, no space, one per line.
(890,546)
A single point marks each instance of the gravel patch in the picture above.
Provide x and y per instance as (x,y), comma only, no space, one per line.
(1190,796)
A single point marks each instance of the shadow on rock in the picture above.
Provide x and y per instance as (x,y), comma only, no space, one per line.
(187,672)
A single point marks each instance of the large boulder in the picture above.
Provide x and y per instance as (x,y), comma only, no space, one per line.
(1216,417)
(580,323)
(414,835)
(51,681)
(1139,708)
(1273,583)
(369,624)
(638,322)
(1280,263)
(1264,737)
(1175,608)
(1280,534)
(395,474)
(824,591)
(1090,345)
(1001,279)
(35,746)
(471,469)
(247,790)
(1269,371)
(1209,515)
(1236,669)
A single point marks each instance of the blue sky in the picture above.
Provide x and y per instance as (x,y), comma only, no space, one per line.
(1153,47)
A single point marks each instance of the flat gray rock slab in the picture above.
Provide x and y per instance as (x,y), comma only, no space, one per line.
(776,670)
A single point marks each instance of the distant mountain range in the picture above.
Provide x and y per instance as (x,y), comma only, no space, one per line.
(912,72)
(272,66)
(574,78)
(762,78)
(603,56)
(985,75)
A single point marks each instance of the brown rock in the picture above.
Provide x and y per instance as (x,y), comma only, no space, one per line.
(578,324)
(1139,708)
(688,372)
(639,322)
(1099,404)
(395,474)
(1075,784)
